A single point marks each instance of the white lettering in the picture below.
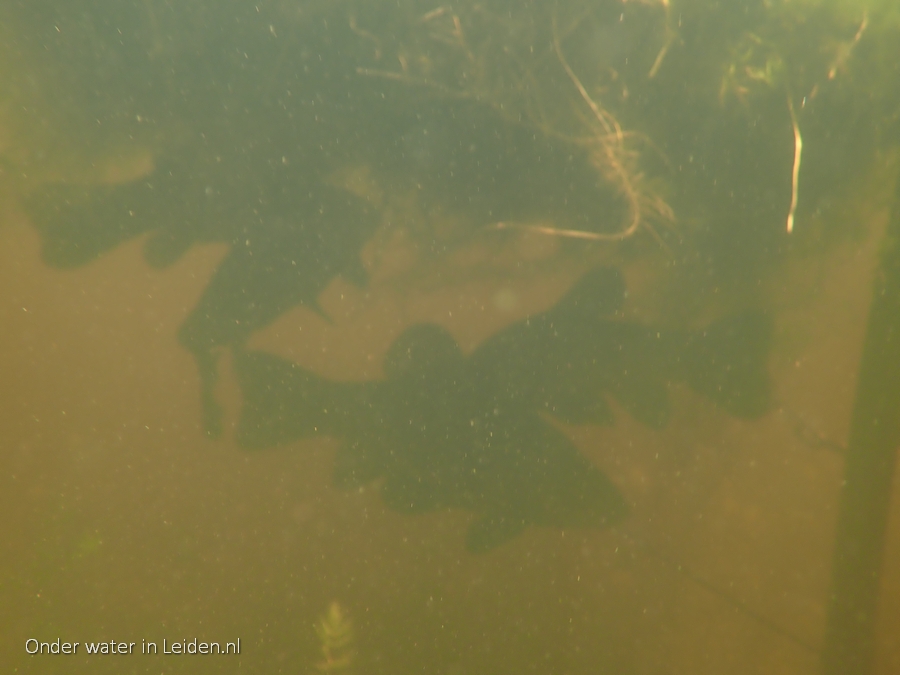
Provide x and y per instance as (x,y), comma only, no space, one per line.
(32,646)
(111,647)
(197,647)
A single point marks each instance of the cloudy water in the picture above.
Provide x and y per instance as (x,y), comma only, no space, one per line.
(478,338)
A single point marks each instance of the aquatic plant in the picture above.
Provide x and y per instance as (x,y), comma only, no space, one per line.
(526,77)
(335,632)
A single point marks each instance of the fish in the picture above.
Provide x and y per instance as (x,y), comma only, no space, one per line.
(264,182)
(426,435)
(575,357)
(444,430)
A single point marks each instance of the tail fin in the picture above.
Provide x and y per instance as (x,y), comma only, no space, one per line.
(284,402)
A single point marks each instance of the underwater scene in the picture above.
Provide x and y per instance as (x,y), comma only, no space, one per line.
(491,337)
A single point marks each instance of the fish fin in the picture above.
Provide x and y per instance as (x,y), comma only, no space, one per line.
(355,273)
(727,363)
(491,531)
(645,399)
(422,348)
(356,465)
(284,402)
(575,408)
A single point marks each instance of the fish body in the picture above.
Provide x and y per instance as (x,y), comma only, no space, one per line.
(445,430)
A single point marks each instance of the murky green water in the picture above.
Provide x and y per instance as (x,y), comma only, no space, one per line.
(485,337)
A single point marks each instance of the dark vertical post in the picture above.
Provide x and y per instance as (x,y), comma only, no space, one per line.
(868,472)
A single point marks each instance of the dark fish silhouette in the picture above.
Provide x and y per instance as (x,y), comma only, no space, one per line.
(246,148)
(569,359)
(443,430)
(436,446)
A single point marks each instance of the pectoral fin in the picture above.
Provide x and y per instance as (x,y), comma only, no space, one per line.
(490,531)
